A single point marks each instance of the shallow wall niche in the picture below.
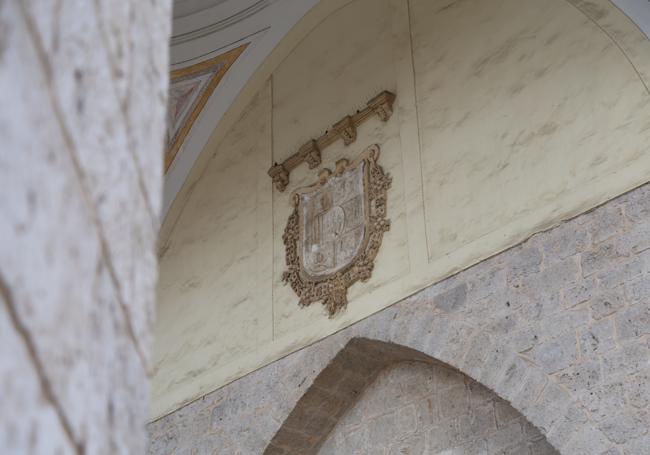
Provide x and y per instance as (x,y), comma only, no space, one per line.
(377,397)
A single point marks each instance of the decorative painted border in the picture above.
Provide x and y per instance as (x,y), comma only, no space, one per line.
(225,60)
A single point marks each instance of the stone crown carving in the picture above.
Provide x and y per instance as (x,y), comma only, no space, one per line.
(346,129)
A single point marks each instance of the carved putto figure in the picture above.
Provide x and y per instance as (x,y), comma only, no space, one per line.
(336,229)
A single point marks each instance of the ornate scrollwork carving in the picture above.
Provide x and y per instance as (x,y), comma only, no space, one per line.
(335,231)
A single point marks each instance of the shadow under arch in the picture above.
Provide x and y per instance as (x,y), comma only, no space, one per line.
(336,389)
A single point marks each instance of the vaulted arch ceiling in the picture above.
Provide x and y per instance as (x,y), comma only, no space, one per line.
(217,47)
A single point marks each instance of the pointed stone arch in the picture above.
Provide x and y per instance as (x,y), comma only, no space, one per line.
(338,387)
(335,390)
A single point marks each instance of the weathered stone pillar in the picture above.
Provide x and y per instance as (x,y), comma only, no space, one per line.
(83,87)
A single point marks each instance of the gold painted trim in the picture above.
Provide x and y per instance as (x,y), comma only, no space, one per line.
(228,59)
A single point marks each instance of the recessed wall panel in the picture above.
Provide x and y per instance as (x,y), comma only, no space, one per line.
(521,103)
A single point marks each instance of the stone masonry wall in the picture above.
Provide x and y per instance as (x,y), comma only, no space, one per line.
(416,408)
(558,326)
(83,87)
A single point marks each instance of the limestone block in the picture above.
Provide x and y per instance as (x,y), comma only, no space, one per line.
(602,256)
(586,441)
(637,446)
(557,276)
(627,359)
(563,322)
(607,303)
(623,427)
(638,289)
(636,204)
(637,390)
(525,261)
(607,222)
(596,339)
(567,424)
(452,299)
(582,291)
(557,353)
(621,273)
(581,377)
(605,399)
(556,245)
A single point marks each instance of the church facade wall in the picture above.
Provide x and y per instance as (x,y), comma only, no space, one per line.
(510,117)
(557,326)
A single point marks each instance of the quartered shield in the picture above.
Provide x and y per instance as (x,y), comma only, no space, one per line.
(332,222)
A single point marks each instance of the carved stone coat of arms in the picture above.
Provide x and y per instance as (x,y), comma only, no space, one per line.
(336,229)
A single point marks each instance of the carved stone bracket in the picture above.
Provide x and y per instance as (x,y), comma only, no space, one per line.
(346,129)
(280,176)
(310,153)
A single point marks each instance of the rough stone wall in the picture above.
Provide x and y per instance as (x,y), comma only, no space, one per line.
(83,91)
(558,326)
(418,408)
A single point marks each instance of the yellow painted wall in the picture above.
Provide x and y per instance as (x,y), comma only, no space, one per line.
(511,115)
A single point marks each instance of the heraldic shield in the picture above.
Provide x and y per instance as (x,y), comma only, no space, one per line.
(335,231)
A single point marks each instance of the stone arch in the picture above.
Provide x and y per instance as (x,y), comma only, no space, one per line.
(335,390)
(338,387)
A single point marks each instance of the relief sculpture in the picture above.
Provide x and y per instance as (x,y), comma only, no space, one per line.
(336,229)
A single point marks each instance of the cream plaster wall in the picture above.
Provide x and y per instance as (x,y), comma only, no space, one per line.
(510,116)
(226,220)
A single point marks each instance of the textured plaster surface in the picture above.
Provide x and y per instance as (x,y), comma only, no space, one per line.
(83,89)
(558,326)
